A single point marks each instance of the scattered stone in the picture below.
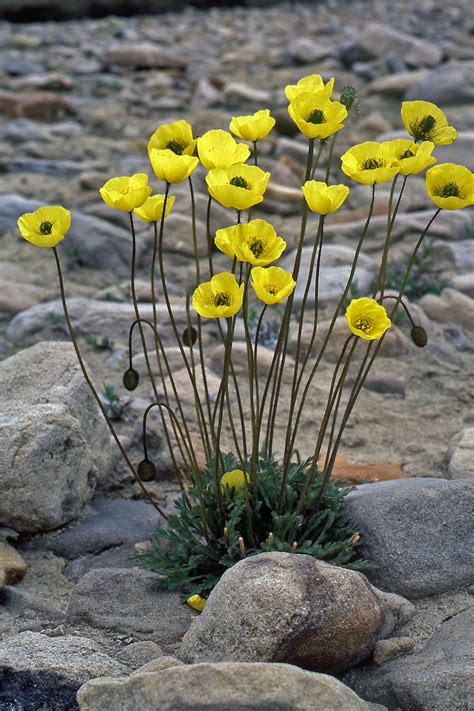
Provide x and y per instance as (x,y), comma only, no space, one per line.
(448,84)
(377,40)
(458,338)
(141,56)
(450,306)
(236,94)
(39,105)
(304,50)
(56,444)
(37,671)
(464,283)
(239,359)
(12,565)
(121,600)
(439,677)
(279,615)
(396,84)
(387,649)
(386,383)
(22,603)
(411,530)
(461,455)
(158,664)
(202,687)
(13,299)
(137,654)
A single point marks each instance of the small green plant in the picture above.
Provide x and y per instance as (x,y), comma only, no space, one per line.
(57,322)
(114,404)
(100,344)
(422,280)
(193,551)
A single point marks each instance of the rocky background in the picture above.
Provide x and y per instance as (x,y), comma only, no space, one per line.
(78,102)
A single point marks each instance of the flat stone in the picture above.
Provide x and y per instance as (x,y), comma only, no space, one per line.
(386,649)
(143,55)
(205,687)
(12,565)
(411,529)
(450,307)
(437,678)
(376,40)
(448,84)
(461,455)
(121,599)
(39,672)
(396,84)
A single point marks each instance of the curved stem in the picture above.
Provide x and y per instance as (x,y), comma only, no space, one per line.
(96,396)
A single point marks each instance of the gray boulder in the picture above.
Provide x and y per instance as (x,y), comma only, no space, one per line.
(378,40)
(437,678)
(461,455)
(233,687)
(281,607)
(450,83)
(97,243)
(39,672)
(418,532)
(54,439)
(121,599)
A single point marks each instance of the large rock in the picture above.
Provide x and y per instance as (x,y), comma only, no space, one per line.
(336,262)
(461,455)
(91,317)
(143,55)
(450,307)
(121,599)
(41,672)
(282,607)
(379,40)
(98,244)
(55,444)
(437,678)
(450,83)
(12,565)
(412,529)
(233,687)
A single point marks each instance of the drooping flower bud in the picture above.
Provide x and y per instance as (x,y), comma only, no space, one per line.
(189,336)
(130,379)
(348,97)
(146,470)
(419,336)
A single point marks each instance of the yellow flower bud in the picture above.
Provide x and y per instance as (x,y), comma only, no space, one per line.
(370,163)
(367,318)
(254,127)
(218,149)
(221,297)
(272,285)
(240,186)
(196,602)
(450,186)
(323,198)
(170,167)
(127,192)
(235,479)
(426,122)
(255,242)
(46,226)
(152,208)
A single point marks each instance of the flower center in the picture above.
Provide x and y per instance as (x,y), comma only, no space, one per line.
(449,190)
(407,154)
(240,182)
(372,164)
(176,147)
(46,228)
(272,289)
(363,324)
(257,248)
(316,116)
(421,130)
(222,299)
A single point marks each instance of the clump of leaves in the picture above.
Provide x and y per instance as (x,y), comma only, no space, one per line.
(192,552)
(100,344)
(423,278)
(114,404)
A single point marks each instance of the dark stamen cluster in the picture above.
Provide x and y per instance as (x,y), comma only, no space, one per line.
(239,182)
(257,248)
(449,190)
(422,130)
(221,299)
(176,147)
(46,228)
(372,164)
(316,117)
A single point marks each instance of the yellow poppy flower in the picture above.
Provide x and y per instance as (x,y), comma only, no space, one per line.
(46,226)
(240,186)
(317,116)
(367,318)
(312,83)
(152,208)
(196,602)
(220,297)
(176,137)
(235,479)
(413,157)
(127,192)
(450,186)
(218,149)
(426,122)
(170,167)
(254,127)
(272,285)
(255,242)
(370,163)
(323,198)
